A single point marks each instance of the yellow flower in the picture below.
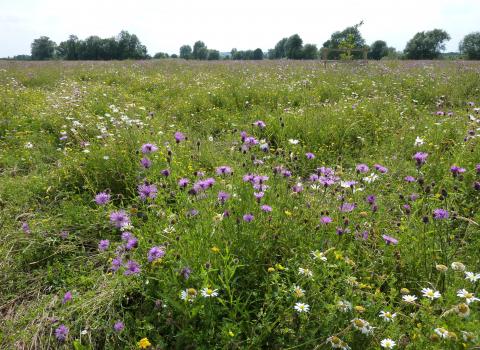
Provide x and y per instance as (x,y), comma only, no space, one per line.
(215,249)
(279,267)
(359,308)
(288,213)
(271,269)
(144,343)
(230,333)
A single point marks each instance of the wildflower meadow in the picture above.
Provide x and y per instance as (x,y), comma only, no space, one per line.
(239,205)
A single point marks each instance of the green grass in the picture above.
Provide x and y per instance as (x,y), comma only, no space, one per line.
(346,115)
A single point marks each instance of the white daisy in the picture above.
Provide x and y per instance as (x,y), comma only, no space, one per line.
(430,293)
(337,343)
(209,293)
(362,325)
(369,179)
(318,255)
(442,332)
(298,292)
(305,272)
(301,307)
(344,306)
(469,297)
(419,141)
(387,343)
(409,298)
(293,141)
(472,277)
(28,145)
(188,294)
(387,316)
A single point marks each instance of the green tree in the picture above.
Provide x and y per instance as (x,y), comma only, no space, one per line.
(186,52)
(350,37)
(68,49)
(426,45)
(161,55)
(130,47)
(309,52)
(200,51)
(257,54)
(213,55)
(293,47)
(279,50)
(378,50)
(470,46)
(43,48)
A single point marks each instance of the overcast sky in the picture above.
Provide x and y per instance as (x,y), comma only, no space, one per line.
(165,25)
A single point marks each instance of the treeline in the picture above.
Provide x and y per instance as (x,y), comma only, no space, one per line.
(423,45)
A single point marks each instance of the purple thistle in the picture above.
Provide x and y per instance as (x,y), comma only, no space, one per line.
(119,218)
(179,137)
(165,172)
(145,162)
(118,326)
(156,253)
(126,236)
(131,243)
(61,333)
(390,240)
(297,188)
(476,185)
(420,158)
(309,155)
(149,148)
(131,268)
(371,199)
(477,168)
(103,245)
(67,297)
(440,214)
(102,198)
(248,218)
(147,191)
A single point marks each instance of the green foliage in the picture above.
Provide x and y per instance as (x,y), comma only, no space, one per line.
(186,52)
(257,54)
(470,46)
(293,47)
(378,50)
(213,55)
(200,51)
(350,37)
(426,45)
(72,129)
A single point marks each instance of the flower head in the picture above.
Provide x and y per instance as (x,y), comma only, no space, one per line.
(179,137)
(119,218)
(132,268)
(430,293)
(301,308)
(420,158)
(102,198)
(387,343)
(440,214)
(469,297)
(155,253)
(144,343)
(103,245)
(61,333)
(209,293)
(149,148)
(118,326)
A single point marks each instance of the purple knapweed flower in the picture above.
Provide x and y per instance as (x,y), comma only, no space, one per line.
(149,148)
(183,182)
(126,236)
(147,191)
(390,240)
(456,170)
(223,197)
(347,207)
(362,168)
(185,272)
(440,214)
(309,155)
(248,218)
(476,185)
(156,253)
(297,188)
(131,243)
(119,218)
(131,268)
(260,124)
(165,172)
(326,220)
(477,168)
(118,326)
(223,170)
(420,158)
(145,162)
(371,199)
(192,212)
(380,168)
(102,198)
(67,297)
(266,208)
(258,195)
(25,227)
(103,245)
(61,333)
(179,137)
(409,178)
(116,263)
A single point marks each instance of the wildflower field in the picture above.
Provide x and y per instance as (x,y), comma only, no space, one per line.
(233,205)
